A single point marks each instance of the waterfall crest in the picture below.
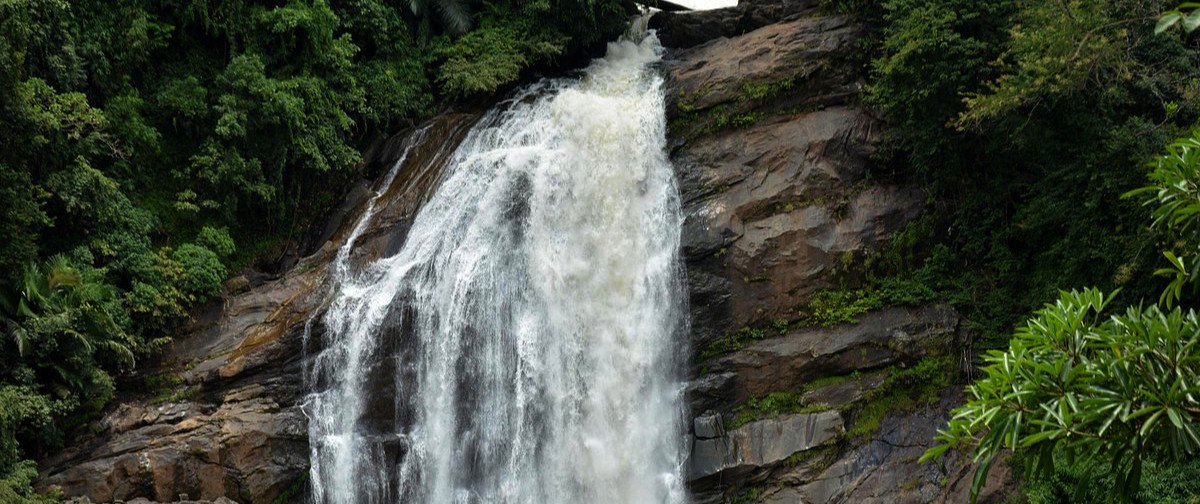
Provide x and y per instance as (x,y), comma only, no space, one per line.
(524,346)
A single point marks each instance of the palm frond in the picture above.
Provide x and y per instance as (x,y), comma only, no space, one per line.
(19,334)
(33,284)
(122,353)
(455,15)
(60,272)
(418,7)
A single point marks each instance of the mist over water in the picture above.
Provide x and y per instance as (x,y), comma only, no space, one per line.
(525,344)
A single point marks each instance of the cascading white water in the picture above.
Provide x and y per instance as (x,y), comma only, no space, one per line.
(524,345)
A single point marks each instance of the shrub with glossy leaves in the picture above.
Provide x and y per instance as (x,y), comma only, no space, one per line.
(1122,388)
(1175,196)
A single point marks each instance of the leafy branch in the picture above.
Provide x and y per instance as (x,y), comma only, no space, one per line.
(1189,20)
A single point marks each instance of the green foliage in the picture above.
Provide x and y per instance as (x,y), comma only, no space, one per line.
(455,15)
(203,271)
(1023,118)
(217,240)
(741,111)
(58,303)
(771,405)
(1188,21)
(15,486)
(903,389)
(23,409)
(21,218)
(933,53)
(179,395)
(747,497)
(1058,50)
(495,54)
(822,454)
(24,414)
(733,342)
(151,147)
(828,308)
(1118,388)
(833,307)
(1176,199)
(1088,480)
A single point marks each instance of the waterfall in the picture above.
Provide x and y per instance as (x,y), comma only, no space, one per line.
(525,344)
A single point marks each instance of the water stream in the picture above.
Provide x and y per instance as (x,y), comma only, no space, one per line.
(524,345)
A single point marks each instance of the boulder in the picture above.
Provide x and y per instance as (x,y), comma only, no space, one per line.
(761,444)
(719,70)
(708,426)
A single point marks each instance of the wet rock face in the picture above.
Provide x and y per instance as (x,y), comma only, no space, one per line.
(773,151)
(773,206)
(229,424)
(247,449)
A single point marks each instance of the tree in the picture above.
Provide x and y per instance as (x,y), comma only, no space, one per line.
(1079,380)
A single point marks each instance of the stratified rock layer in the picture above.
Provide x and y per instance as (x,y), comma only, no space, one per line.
(773,151)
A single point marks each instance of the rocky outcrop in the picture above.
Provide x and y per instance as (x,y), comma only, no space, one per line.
(773,151)
(772,206)
(761,443)
(226,419)
(884,469)
(898,335)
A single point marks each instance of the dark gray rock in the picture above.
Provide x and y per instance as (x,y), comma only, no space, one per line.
(708,426)
(771,209)
(761,444)
(844,393)
(884,470)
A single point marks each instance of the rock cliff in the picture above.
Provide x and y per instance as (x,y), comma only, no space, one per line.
(773,152)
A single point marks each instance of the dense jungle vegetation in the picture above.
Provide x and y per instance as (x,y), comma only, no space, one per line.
(1035,124)
(150,147)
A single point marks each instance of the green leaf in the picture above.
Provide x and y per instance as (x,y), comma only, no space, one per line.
(1166,21)
(1175,418)
(1191,21)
